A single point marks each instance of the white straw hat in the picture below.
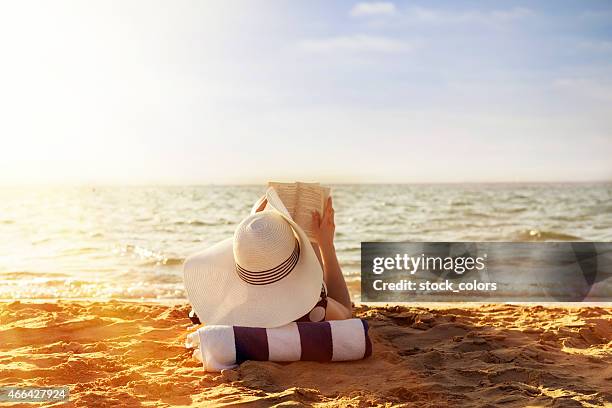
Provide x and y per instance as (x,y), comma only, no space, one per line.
(267,275)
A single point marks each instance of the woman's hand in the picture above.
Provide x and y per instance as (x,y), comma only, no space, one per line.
(324,227)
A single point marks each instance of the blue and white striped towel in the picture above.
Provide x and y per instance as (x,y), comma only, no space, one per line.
(223,347)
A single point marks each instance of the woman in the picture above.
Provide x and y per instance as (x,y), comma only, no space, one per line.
(269,274)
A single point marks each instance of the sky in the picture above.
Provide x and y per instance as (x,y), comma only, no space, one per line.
(199,92)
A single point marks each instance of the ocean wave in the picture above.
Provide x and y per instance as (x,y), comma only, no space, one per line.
(348,249)
(569,218)
(537,235)
(18,275)
(163,261)
(201,223)
(149,257)
(600,209)
(41,241)
(78,251)
(460,203)
(89,290)
(478,214)
(165,278)
(513,210)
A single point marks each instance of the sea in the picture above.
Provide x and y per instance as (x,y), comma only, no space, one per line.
(108,242)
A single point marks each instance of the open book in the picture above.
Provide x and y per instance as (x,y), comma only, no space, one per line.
(301,199)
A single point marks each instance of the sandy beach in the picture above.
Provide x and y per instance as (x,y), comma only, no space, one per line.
(132,354)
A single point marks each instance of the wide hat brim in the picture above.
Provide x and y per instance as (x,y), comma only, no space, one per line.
(219,296)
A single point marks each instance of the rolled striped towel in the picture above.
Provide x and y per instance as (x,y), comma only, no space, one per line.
(223,347)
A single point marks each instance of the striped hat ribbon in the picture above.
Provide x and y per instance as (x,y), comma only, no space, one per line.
(272,275)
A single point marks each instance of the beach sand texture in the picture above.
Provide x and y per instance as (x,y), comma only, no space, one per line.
(132,354)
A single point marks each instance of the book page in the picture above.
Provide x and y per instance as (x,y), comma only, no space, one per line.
(311,197)
(288,194)
(301,199)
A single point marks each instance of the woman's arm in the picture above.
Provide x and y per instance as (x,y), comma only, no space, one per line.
(332,274)
(336,311)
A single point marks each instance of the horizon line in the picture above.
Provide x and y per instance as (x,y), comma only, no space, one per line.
(338,183)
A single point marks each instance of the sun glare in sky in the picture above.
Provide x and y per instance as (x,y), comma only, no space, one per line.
(132,92)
